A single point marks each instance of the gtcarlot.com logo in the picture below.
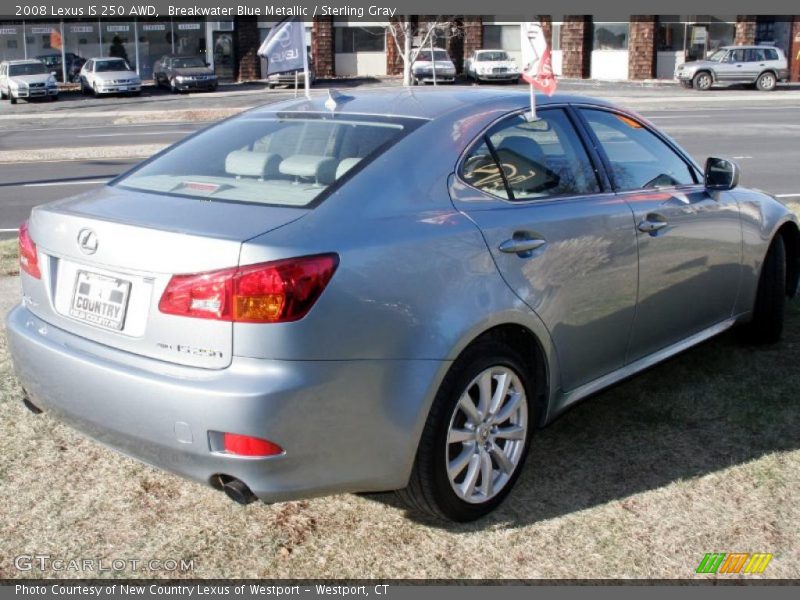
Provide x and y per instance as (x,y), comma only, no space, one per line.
(47,562)
(735,562)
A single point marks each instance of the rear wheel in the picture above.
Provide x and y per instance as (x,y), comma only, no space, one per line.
(476,437)
(94,91)
(766,326)
(766,82)
(11,97)
(702,81)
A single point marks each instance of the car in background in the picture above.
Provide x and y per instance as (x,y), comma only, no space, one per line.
(762,66)
(101,76)
(491,65)
(28,79)
(198,312)
(425,62)
(74,65)
(277,79)
(181,73)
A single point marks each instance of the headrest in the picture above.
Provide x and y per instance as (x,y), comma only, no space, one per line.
(321,168)
(524,146)
(345,165)
(244,163)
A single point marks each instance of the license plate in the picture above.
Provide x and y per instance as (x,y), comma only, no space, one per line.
(100,300)
(123,88)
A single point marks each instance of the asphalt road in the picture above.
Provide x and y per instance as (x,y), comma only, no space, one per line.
(763,135)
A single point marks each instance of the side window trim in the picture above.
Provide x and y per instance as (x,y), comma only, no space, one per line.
(599,167)
(693,169)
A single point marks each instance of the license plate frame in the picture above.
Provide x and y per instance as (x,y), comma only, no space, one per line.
(100,300)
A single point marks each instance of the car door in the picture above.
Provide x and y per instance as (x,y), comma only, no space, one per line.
(560,238)
(738,72)
(689,239)
(755,63)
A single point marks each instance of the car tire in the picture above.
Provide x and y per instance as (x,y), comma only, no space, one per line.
(766,82)
(95,93)
(766,326)
(12,98)
(455,493)
(3,96)
(173,87)
(702,81)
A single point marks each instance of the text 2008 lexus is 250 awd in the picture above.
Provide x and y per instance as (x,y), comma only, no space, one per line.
(391,291)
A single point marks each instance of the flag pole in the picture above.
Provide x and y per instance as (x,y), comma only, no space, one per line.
(533,102)
(305,67)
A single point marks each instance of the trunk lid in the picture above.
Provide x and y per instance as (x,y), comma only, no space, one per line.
(107,256)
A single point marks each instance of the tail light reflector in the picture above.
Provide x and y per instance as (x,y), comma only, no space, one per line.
(273,292)
(245,445)
(28,259)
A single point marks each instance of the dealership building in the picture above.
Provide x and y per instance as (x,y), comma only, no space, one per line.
(643,47)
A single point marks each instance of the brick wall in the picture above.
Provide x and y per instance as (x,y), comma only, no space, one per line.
(247,65)
(642,47)
(322,50)
(473,35)
(745,29)
(576,43)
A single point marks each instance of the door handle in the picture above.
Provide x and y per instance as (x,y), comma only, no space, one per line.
(652,224)
(522,246)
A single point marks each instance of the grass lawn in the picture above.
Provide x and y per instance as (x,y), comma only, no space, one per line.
(700,454)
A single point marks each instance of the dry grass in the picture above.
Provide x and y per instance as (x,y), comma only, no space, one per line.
(697,455)
(9,261)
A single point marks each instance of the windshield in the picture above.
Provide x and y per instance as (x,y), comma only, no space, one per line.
(188,63)
(112,65)
(717,55)
(491,56)
(26,69)
(425,55)
(282,159)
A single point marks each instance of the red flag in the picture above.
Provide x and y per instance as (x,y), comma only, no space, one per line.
(55,39)
(539,71)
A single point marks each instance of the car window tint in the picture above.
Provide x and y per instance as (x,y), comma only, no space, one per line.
(639,159)
(543,158)
(755,55)
(771,53)
(737,56)
(480,170)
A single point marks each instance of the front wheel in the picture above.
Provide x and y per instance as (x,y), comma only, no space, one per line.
(11,97)
(702,81)
(476,437)
(766,327)
(766,82)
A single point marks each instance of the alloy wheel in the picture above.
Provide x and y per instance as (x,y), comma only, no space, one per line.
(486,435)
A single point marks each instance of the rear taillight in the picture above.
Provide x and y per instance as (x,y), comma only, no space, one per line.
(273,292)
(28,260)
(245,445)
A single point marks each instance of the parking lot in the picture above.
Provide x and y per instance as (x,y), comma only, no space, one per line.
(698,455)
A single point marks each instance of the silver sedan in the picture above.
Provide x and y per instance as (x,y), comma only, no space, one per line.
(385,291)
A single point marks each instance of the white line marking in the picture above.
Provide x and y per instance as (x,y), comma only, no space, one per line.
(679,117)
(8,230)
(59,183)
(130,134)
(741,157)
(787,195)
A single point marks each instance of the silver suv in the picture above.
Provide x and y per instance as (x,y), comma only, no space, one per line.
(763,66)
(26,79)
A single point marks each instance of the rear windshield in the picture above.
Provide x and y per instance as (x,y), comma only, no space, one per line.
(491,56)
(187,63)
(425,55)
(279,159)
(26,69)
(112,65)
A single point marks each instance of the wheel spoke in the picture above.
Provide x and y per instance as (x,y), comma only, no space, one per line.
(455,436)
(502,460)
(485,396)
(455,466)
(514,432)
(503,383)
(466,405)
(509,408)
(468,485)
(487,474)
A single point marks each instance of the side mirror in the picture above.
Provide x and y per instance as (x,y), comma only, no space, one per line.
(721,174)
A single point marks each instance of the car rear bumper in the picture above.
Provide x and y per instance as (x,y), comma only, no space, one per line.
(343,425)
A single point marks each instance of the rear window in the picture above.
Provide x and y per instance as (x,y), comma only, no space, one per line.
(279,159)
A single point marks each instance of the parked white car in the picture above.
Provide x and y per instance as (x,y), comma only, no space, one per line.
(491,65)
(26,79)
(422,70)
(109,76)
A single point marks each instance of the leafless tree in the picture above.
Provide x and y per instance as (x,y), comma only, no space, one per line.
(404,33)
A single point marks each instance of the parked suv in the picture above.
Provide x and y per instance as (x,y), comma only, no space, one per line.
(26,79)
(763,66)
(184,73)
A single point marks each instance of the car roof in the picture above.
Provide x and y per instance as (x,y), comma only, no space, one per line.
(739,46)
(417,103)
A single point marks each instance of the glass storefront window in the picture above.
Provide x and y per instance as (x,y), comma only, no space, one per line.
(155,40)
(720,34)
(502,37)
(119,41)
(610,36)
(671,34)
(12,41)
(359,39)
(81,42)
(189,38)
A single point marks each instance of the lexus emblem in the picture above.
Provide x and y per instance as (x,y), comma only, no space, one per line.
(87,241)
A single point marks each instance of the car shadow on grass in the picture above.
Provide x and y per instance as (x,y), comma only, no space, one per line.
(720,404)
